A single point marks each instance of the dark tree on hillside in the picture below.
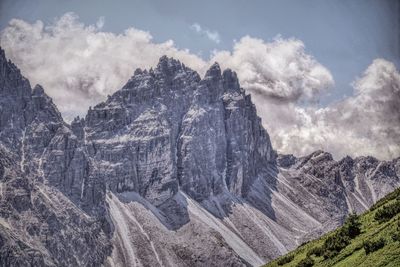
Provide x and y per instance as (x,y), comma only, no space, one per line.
(353,225)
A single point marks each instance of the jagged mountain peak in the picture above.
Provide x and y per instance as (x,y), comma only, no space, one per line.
(12,82)
(175,102)
(168,63)
(15,88)
(347,161)
(286,160)
(9,67)
(231,80)
(139,71)
(168,67)
(214,71)
(168,155)
(167,72)
(3,58)
(38,90)
(171,74)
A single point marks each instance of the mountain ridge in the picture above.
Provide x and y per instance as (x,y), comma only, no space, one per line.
(375,242)
(172,157)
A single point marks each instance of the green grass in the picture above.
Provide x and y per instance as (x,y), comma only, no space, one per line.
(372,230)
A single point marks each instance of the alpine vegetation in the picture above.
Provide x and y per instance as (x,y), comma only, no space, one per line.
(372,242)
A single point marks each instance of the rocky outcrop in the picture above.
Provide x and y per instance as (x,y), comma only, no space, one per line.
(172,169)
(167,130)
(39,224)
(357,183)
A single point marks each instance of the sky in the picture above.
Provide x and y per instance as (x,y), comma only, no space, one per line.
(301,60)
(345,36)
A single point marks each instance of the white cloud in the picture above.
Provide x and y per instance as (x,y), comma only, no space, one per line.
(80,65)
(211,35)
(279,70)
(367,123)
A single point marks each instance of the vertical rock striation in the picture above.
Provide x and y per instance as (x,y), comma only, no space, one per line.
(39,224)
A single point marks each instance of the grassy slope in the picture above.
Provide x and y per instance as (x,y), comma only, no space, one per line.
(354,254)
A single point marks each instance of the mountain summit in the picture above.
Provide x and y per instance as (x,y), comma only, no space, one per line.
(171,170)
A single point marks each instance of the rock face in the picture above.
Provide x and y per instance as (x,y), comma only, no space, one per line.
(167,130)
(329,190)
(39,225)
(171,170)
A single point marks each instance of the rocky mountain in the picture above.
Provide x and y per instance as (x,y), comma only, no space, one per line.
(369,239)
(39,224)
(171,170)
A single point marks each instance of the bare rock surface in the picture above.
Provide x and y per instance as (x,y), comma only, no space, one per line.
(171,170)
